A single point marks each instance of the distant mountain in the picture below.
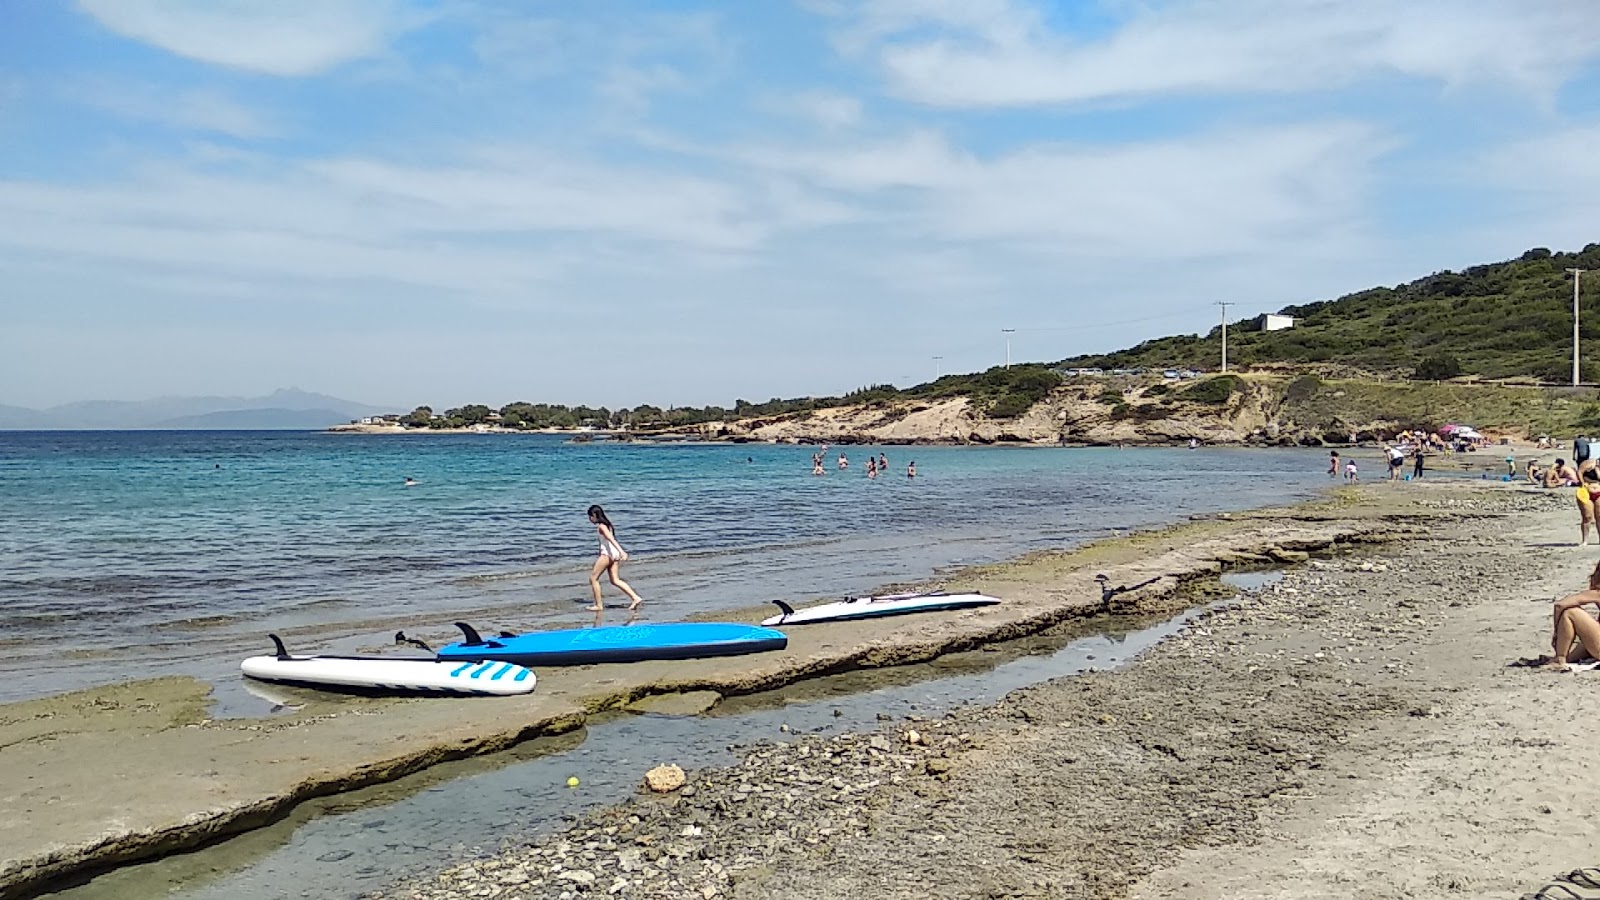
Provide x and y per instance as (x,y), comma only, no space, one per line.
(12,417)
(193,412)
(258,419)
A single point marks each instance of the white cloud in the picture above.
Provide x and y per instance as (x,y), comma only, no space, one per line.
(487,226)
(1227,192)
(1004,53)
(277,37)
(189,110)
(829,110)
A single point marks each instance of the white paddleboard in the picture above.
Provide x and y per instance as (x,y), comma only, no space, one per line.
(376,673)
(877,607)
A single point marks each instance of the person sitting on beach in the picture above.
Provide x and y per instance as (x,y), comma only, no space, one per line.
(1575,635)
(1535,474)
(1566,475)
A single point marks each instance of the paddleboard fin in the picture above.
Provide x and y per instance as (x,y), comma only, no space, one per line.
(787,609)
(1107,591)
(505,634)
(473,639)
(283,652)
(400,638)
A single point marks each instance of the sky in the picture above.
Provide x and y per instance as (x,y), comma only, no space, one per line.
(616,202)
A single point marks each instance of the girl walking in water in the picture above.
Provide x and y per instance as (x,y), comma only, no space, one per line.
(609,562)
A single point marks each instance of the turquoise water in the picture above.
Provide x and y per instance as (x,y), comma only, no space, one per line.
(160,552)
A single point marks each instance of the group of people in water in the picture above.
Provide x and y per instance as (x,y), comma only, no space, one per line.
(609,561)
(876,465)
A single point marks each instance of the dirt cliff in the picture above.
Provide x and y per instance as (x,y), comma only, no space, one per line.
(1253,408)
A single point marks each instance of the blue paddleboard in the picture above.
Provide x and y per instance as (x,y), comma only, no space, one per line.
(617,643)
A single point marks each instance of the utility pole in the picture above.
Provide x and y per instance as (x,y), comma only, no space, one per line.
(1224,304)
(936,367)
(1008,332)
(1577,278)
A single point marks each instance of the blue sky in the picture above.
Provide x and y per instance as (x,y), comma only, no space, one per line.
(684,203)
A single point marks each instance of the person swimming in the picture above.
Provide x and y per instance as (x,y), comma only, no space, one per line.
(410,481)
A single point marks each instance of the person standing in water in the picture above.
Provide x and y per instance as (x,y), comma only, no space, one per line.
(844,463)
(609,562)
(1333,464)
(911,469)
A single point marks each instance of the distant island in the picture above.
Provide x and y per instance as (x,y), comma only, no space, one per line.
(287,408)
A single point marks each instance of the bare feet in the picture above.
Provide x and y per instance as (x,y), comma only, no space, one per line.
(595,608)
(634,605)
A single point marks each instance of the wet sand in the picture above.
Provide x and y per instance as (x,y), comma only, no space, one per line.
(113,775)
(1355,730)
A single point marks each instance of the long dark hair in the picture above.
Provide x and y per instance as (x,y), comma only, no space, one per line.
(599,516)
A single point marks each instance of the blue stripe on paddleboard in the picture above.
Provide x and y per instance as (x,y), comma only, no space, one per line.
(483,668)
(523,675)
(463,668)
(501,671)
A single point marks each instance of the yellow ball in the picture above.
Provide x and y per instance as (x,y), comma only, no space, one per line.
(573,781)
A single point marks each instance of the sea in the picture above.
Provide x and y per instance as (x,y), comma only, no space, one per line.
(130,554)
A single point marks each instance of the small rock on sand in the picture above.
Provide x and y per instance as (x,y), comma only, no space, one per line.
(664,779)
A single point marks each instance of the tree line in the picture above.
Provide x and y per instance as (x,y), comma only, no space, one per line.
(999,393)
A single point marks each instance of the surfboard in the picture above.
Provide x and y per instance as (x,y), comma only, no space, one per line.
(616,643)
(876,607)
(377,673)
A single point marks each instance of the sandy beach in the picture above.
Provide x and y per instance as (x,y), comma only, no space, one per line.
(1358,717)
(1354,730)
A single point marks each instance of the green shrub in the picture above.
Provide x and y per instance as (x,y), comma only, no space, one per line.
(1303,388)
(1111,396)
(1009,406)
(1215,391)
(1438,367)
(1156,390)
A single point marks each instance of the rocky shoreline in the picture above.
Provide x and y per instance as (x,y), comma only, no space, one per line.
(182,780)
(1093,786)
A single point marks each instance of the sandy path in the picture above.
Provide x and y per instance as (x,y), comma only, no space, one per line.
(1484,794)
(1354,731)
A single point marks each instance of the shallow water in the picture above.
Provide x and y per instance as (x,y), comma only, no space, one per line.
(364,840)
(131,554)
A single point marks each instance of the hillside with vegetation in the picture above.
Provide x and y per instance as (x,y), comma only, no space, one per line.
(1359,365)
(1507,320)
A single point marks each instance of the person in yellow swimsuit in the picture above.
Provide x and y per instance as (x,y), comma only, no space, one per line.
(1586,494)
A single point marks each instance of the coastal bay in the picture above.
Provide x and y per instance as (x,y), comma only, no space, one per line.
(1353,730)
(185,780)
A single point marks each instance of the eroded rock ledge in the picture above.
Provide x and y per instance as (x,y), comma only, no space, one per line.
(92,791)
